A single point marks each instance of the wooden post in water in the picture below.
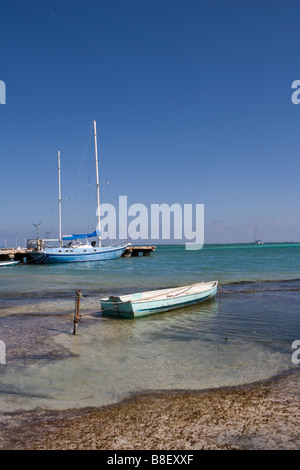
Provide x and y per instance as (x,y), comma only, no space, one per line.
(76,313)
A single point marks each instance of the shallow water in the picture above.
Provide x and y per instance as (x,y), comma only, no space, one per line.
(244,335)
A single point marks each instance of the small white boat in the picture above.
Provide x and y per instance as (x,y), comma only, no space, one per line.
(156,301)
(8,263)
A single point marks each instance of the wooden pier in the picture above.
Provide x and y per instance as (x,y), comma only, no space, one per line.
(23,254)
(13,254)
(138,250)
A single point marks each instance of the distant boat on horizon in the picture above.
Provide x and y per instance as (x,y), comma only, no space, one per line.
(78,251)
(256,241)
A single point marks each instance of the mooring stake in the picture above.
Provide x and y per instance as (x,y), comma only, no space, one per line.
(76,313)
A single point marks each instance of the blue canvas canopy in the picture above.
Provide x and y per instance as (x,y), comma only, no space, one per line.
(75,236)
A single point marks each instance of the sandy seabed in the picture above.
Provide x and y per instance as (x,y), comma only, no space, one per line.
(264,415)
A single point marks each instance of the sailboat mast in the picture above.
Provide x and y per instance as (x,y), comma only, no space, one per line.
(59,201)
(97,184)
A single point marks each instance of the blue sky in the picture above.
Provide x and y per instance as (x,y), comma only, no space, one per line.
(192,100)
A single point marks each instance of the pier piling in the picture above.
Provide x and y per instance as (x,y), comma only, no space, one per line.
(76,313)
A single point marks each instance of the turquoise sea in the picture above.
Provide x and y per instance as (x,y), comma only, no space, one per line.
(244,335)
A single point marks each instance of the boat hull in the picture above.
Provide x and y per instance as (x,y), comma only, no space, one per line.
(115,307)
(66,255)
(8,263)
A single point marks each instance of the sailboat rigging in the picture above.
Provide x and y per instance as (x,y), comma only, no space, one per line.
(78,252)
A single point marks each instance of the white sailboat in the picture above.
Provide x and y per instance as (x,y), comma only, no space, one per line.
(76,252)
(256,241)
